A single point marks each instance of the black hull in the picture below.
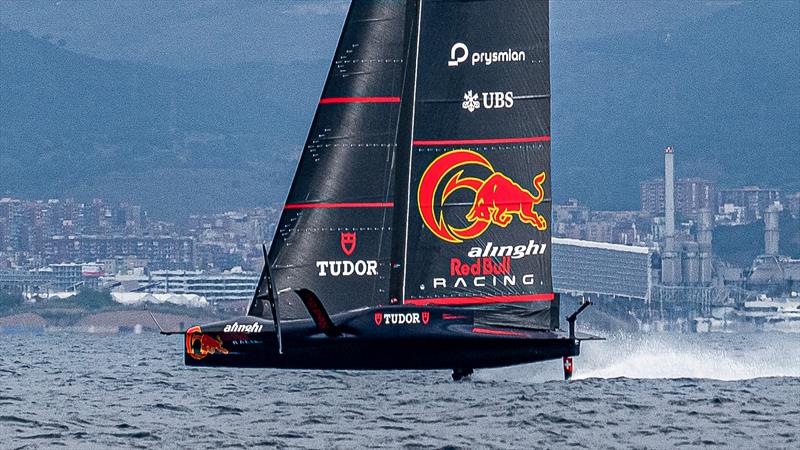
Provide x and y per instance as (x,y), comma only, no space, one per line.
(441,343)
(412,354)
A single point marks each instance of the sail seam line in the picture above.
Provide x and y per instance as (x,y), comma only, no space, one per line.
(482,141)
(482,300)
(336,100)
(496,332)
(339,205)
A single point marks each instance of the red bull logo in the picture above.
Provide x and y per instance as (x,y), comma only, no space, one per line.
(199,344)
(497,198)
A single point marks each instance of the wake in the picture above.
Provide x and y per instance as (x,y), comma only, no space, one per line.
(718,357)
(724,357)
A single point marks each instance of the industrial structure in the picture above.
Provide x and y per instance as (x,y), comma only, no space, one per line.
(675,282)
(671,273)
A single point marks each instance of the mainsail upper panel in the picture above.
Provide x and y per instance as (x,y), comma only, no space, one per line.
(334,234)
(478,200)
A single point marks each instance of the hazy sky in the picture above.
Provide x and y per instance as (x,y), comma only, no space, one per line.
(216,32)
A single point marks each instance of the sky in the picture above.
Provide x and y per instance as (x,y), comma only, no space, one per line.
(184,33)
(191,34)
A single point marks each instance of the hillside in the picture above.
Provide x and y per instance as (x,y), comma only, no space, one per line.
(723,90)
(173,141)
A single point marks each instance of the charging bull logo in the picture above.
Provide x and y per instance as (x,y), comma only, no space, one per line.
(497,198)
(198,344)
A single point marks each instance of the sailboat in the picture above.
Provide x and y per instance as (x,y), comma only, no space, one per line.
(416,233)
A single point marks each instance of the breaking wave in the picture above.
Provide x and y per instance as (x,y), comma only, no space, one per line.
(719,357)
(725,357)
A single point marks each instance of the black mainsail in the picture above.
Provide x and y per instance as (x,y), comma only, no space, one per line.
(416,234)
(478,190)
(334,235)
(429,153)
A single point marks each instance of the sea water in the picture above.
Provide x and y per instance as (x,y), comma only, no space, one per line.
(640,391)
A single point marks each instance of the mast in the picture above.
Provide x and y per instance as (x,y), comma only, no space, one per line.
(403,158)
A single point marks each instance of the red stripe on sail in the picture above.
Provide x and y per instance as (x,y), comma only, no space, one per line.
(484,141)
(481,300)
(338,205)
(497,332)
(333,100)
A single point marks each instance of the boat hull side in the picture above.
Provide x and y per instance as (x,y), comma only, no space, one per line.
(397,337)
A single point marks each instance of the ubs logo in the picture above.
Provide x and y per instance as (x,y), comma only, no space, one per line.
(487,100)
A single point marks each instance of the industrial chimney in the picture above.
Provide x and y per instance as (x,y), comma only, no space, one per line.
(772,230)
(704,236)
(671,259)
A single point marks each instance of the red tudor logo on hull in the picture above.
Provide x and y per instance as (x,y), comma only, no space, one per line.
(410,318)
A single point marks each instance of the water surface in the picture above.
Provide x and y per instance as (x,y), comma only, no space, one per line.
(656,391)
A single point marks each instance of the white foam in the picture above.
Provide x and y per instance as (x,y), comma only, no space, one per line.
(719,357)
(669,356)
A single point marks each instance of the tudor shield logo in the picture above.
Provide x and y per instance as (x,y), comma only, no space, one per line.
(426,317)
(378,318)
(497,198)
(348,243)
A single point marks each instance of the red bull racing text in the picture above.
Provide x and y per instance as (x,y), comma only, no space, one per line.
(490,266)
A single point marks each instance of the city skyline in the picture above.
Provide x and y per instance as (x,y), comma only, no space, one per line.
(64,230)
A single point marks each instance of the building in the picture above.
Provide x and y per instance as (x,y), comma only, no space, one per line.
(597,267)
(753,201)
(571,212)
(651,196)
(691,196)
(793,204)
(161,252)
(53,278)
(232,287)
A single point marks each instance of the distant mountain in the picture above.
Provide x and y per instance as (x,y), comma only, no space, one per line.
(723,90)
(172,140)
